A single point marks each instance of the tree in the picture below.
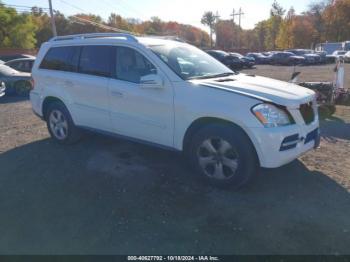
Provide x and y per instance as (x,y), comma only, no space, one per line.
(117,21)
(285,38)
(260,32)
(273,24)
(225,34)
(16,30)
(337,20)
(209,19)
(315,13)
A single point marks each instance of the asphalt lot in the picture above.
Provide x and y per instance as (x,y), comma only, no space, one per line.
(109,196)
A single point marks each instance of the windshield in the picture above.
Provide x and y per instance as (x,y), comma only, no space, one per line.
(190,62)
(299,52)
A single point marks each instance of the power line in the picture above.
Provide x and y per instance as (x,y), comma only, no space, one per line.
(122,7)
(74,6)
(25,6)
(101,25)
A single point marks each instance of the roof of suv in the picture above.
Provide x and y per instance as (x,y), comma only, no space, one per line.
(112,37)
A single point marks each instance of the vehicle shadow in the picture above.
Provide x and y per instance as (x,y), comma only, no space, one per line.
(107,196)
(12,99)
(333,128)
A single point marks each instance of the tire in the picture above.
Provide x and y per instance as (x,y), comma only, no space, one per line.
(323,112)
(234,162)
(60,124)
(331,109)
(22,88)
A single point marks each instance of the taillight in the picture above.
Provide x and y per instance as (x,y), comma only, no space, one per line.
(31,83)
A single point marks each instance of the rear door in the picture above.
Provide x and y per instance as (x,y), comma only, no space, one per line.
(89,87)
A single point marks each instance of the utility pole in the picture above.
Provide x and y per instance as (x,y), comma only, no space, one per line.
(233,15)
(53,24)
(239,14)
(217,18)
(239,17)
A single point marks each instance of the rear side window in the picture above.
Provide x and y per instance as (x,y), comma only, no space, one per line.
(63,58)
(96,60)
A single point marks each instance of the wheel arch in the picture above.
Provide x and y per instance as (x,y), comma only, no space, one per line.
(197,124)
(46,103)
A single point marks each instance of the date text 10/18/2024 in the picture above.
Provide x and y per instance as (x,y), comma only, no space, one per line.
(173,258)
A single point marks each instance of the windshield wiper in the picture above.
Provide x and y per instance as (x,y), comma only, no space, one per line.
(212,76)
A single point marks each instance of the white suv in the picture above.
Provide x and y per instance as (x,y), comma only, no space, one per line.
(171,94)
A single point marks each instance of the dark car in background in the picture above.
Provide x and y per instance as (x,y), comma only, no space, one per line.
(310,57)
(18,83)
(248,62)
(21,64)
(286,58)
(323,56)
(259,58)
(232,62)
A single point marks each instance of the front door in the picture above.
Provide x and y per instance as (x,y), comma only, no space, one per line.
(137,112)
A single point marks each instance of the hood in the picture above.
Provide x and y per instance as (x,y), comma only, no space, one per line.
(261,88)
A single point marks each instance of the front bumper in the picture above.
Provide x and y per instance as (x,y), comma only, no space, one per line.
(281,145)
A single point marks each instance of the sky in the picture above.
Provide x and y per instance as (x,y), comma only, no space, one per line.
(183,11)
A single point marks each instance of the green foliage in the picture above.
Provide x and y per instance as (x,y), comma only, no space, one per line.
(209,20)
(16,30)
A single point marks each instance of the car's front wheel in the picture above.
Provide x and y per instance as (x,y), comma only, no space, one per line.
(223,155)
(60,124)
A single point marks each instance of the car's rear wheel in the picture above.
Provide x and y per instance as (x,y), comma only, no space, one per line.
(60,124)
(223,155)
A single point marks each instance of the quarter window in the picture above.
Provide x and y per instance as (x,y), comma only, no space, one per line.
(64,58)
(131,65)
(96,60)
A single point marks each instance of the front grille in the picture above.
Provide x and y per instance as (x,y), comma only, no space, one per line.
(313,135)
(307,111)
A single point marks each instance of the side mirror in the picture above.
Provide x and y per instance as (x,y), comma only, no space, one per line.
(151,81)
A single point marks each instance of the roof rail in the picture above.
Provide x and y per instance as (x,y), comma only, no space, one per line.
(168,37)
(94,35)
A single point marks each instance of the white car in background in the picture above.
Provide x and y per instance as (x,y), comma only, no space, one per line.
(347,57)
(173,95)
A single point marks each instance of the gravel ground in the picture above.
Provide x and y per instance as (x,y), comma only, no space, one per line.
(109,196)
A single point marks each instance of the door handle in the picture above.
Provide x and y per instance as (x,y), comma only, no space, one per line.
(117,94)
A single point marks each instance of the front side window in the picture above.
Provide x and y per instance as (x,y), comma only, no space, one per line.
(131,65)
(189,62)
(63,58)
(96,60)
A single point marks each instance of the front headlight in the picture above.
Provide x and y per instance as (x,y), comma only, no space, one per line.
(271,116)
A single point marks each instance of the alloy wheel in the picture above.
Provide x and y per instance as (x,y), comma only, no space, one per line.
(58,124)
(217,158)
